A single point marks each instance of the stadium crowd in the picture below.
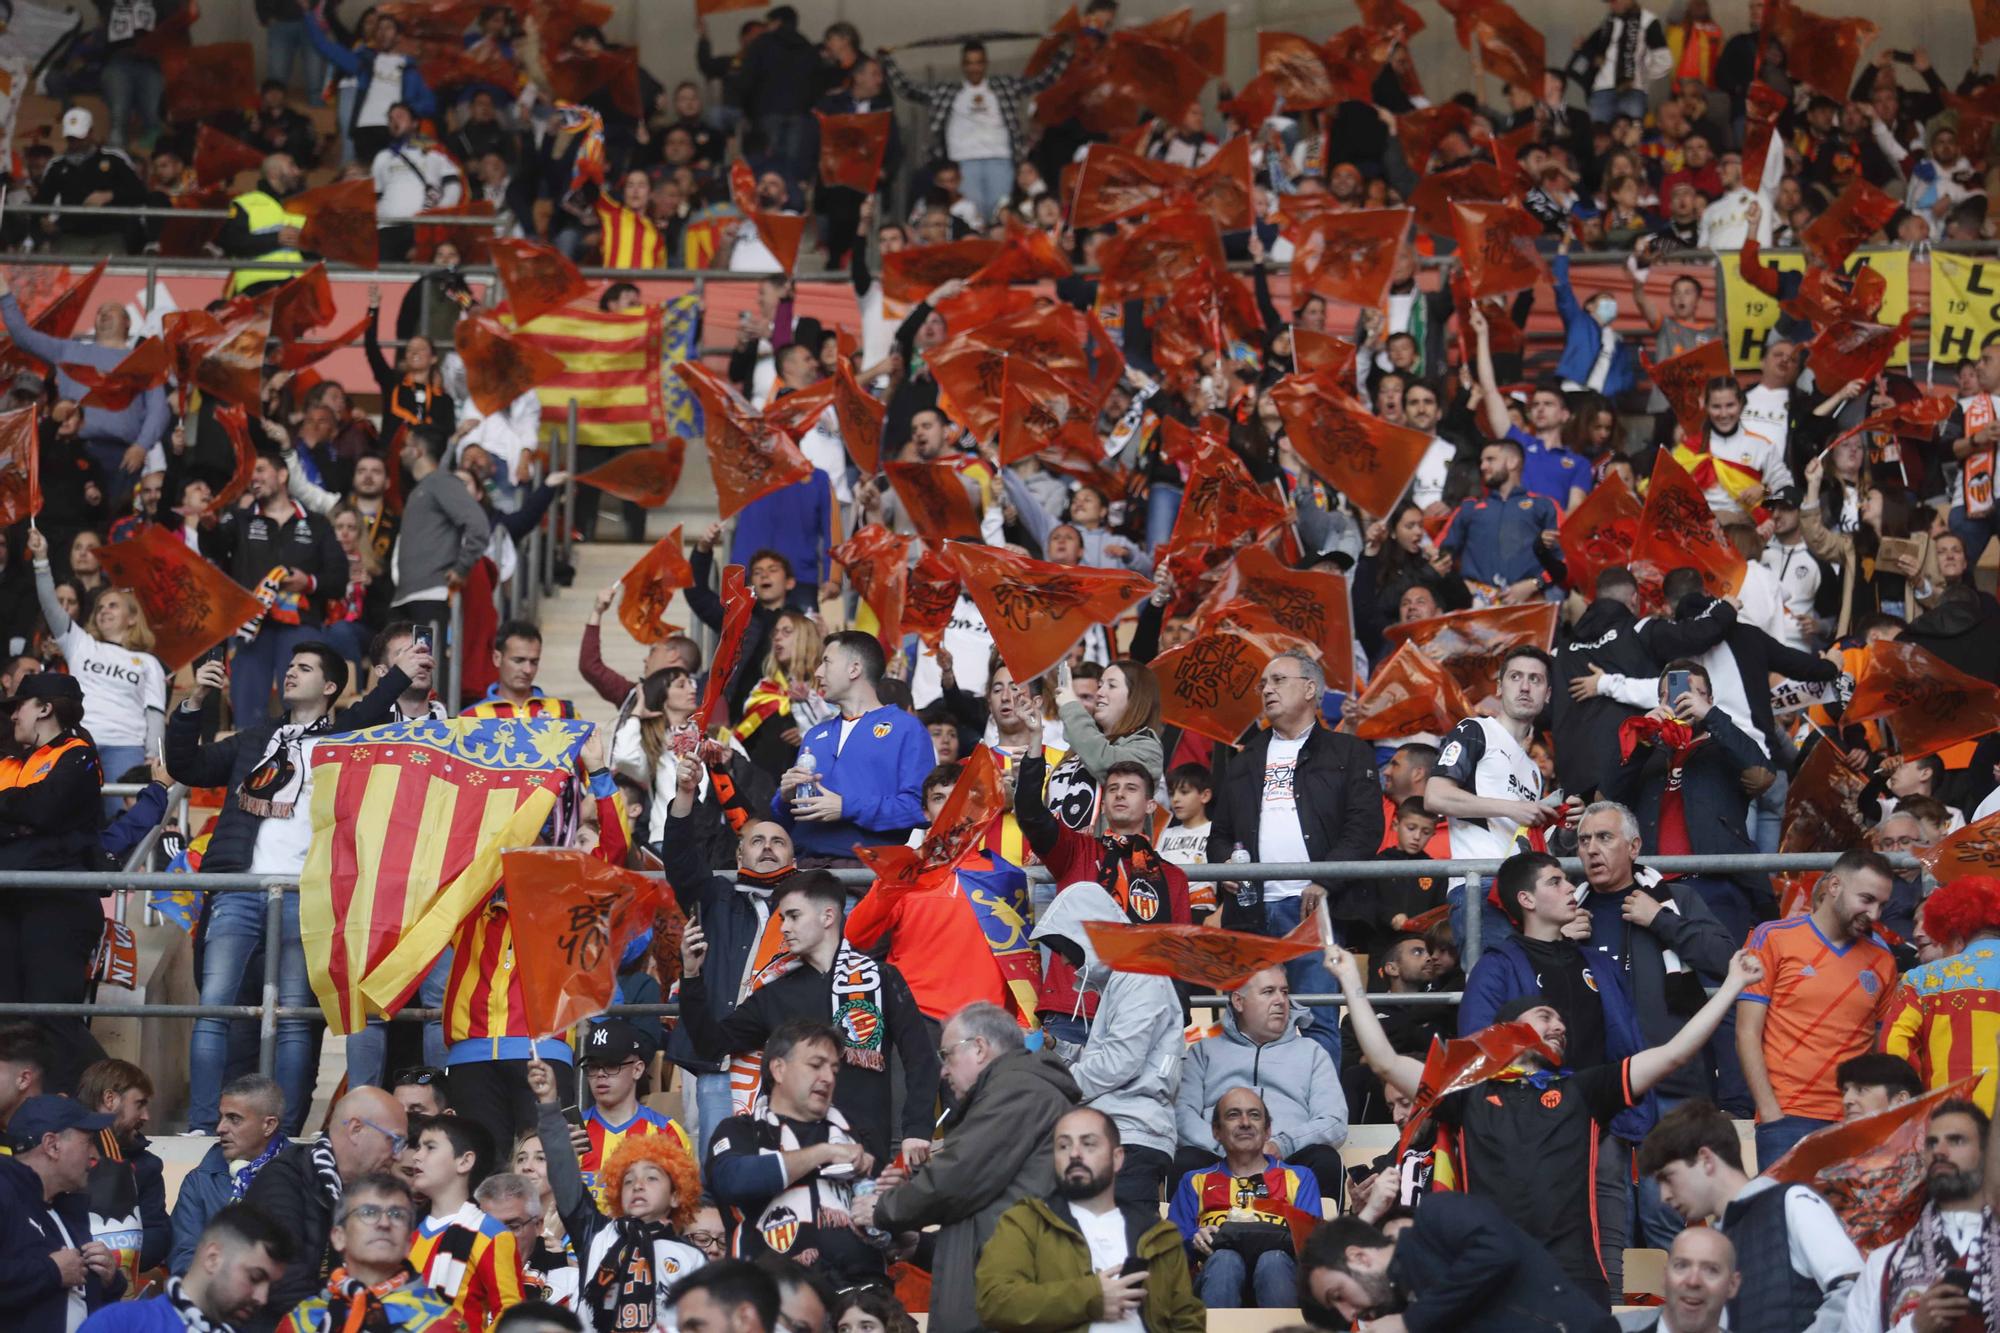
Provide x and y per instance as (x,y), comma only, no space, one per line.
(1597,612)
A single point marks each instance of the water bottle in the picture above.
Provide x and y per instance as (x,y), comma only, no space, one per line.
(873,1235)
(1246,891)
(810,787)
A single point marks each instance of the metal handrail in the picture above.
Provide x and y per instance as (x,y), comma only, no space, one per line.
(223,214)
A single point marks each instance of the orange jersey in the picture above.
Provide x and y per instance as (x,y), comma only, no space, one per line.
(1824,1004)
(630,239)
(469,1259)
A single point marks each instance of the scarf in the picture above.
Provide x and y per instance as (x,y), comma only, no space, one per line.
(365,1310)
(856,994)
(624,1291)
(272,789)
(239,1184)
(1921,1258)
(326,1173)
(769,697)
(1627,38)
(811,1201)
(1679,741)
(1710,472)
(1131,871)
(190,1315)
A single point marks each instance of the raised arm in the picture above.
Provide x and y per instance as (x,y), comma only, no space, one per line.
(1401,1072)
(1490,399)
(1649,1066)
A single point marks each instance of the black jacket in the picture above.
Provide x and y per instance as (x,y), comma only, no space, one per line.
(729,917)
(1757,656)
(1467,1269)
(706,603)
(1340,797)
(1713,801)
(780,73)
(31,1292)
(249,546)
(227,762)
(287,1191)
(1610,638)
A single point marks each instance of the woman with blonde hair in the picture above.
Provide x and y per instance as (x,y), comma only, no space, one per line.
(782,705)
(124,685)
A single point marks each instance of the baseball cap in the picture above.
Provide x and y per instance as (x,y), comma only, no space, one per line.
(613,1042)
(76,123)
(51,1114)
(1785,497)
(43,685)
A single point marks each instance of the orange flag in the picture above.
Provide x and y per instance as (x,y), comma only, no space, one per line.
(797,411)
(1678,528)
(1115,183)
(1313,351)
(1040,410)
(649,588)
(1028,254)
(1683,380)
(1390,14)
(1437,192)
(1497,244)
(1351,256)
(233,367)
(573,917)
(190,604)
(1253,104)
(1466,1062)
(58,318)
(1763,105)
(1510,48)
(1305,604)
(1821,810)
(538,279)
(1408,694)
(737,607)
(1973,850)
(235,424)
(932,596)
(878,562)
(851,148)
(1420,131)
(204,82)
(1221,500)
(1985,21)
(299,355)
(1853,350)
(1359,454)
(1208,685)
(499,367)
(934,499)
(912,273)
(1827,297)
(1916,419)
(1037,610)
(976,800)
(746,456)
(145,367)
(1206,956)
(1160,257)
(340,222)
(20,465)
(1859,212)
(1470,644)
(779,231)
(1819,52)
(1929,703)
(1599,533)
(220,158)
(301,305)
(860,414)
(644,476)
(970,380)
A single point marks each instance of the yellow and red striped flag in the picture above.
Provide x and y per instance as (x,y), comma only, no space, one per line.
(409,821)
(611,371)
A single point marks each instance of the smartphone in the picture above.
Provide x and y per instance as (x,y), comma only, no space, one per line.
(218,654)
(1960,1278)
(837,1170)
(573,1116)
(1903,57)
(1678,683)
(426,638)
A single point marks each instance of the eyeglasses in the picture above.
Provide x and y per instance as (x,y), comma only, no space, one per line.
(703,1240)
(397,1142)
(423,1076)
(375,1212)
(945,1052)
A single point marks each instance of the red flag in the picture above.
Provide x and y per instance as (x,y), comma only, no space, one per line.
(232,369)
(301,305)
(1028,254)
(1354,56)
(1599,533)
(1037,610)
(1390,14)
(1253,104)
(1859,212)
(1221,500)
(235,424)
(1408,694)
(1208,685)
(573,917)
(204,82)
(1437,192)
(1819,52)
(1917,419)
(1510,47)
(299,355)
(1108,88)
(538,279)
(860,415)
(1683,380)
(747,457)
(58,318)
(1852,350)
(499,367)
(1115,183)
(851,148)
(933,595)
(472,243)
(1453,1066)
(1929,703)
(1206,956)
(1040,410)
(1985,21)
(1501,331)
(934,499)
(20,465)
(1351,256)
(1160,256)
(1307,605)
(1471,644)
(914,272)
(644,476)
(340,222)
(1827,296)
(1507,150)
(1763,106)
(878,562)
(1364,457)
(977,799)
(220,158)
(649,588)
(1420,131)
(1497,245)
(189,603)
(1314,352)
(797,411)
(145,367)
(737,607)
(1678,528)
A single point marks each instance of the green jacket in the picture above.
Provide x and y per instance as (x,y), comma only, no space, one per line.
(1035,1275)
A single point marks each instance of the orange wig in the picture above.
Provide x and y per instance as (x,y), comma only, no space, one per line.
(664,1152)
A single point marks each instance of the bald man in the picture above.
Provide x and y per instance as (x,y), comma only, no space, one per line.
(1701,1280)
(301,1186)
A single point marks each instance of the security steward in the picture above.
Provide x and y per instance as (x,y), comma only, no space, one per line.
(260,227)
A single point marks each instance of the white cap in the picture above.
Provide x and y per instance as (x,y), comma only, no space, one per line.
(76,123)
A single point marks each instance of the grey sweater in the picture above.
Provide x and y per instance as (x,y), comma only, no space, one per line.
(444,532)
(142,421)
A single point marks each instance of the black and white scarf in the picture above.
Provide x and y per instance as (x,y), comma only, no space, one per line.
(1920,1259)
(326,1172)
(624,1293)
(190,1314)
(855,982)
(272,789)
(1625,46)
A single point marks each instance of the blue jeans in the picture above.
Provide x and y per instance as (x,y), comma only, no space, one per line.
(1974,532)
(1308,976)
(1776,1138)
(712,1105)
(1163,506)
(350,639)
(1272,1285)
(286,47)
(132,85)
(232,972)
(792,140)
(986,181)
(1065,1028)
(115,759)
(260,664)
(368,1049)
(1610,102)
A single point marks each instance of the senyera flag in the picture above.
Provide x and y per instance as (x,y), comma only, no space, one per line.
(573,917)
(1200,955)
(189,603)
(1927,703)
(1036,610)
(649,587)
(976,800)
(409,823)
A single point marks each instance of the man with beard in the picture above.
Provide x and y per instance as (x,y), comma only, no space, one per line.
(1702,1278)
(241,1252)
(1081,1260)
(1912,1283)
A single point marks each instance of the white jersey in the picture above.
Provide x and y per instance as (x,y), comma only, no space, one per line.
(1798,576)
(1433,470)
(1758,447)
(1484,759)
(1767,414)
(119,685)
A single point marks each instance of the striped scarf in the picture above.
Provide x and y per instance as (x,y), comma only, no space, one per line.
(190,1314)
(770,697)
(589,166)
(1921,1258)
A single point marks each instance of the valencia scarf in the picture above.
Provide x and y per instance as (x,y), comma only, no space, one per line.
(272,789)
(624,1293)
(190,1314)
(1921,1258)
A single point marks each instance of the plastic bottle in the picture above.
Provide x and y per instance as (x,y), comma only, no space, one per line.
(873,1235)
(1246,891)
(810,787)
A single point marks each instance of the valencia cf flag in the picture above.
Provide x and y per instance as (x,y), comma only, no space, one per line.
(340,222)
(20,465)
(737,607)
(1037,610)
(190,604)
(877,561)
(573,917)
(1859,212)
(1683,380)
(646,477)
(498,366)
(747,457)
(538,278)
(649,586)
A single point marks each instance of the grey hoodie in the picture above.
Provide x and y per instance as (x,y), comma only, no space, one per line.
(1130,1065)
(1293,1075)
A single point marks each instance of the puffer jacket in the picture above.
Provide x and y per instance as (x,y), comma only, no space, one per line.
(1035,1275)
(1130,1067)
(1293,1074)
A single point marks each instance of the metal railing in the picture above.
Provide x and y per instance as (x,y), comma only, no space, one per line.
(268,1012)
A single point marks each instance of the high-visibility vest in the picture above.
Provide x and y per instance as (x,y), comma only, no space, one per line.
(265,216)
(27,772)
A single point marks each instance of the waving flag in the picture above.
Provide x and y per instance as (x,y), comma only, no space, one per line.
(1452,1066)
(976,800)
(611,371)
(58,318)
(1036,610)
(1206,956)
(851,148)
(500,366)
(1859,212)
(573,917)
(912,273)
(747,457)
(1470,644)
(649,587)
(1497,243)
(191,605)
(737,607)
(20,465)
(644,476)
(1678,528)
(1819,52)
(539,278)
(1366,458)
(1599,533)
(1221,500)
(1351,256)
(1929,703)
(1208,685)
(1408,694)
(1683,381)
(1856,350)
(409,822)
(340,222)
(1115,183)
(1261,592)
(878,562)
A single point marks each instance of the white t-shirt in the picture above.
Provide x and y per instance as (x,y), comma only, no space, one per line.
(410,178)
(976,128)
(1864,1298)
(1797,575)
(1768,414)
(385,89)
(1762,604)
(1433,470)
(76,1310)
(1279,836)
(1484,759)
(1105,1234)
(1185,844)
(282,844)
(119,685)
